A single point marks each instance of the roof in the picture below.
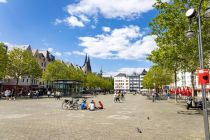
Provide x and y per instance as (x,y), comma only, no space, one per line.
(144,72)
(121,75)
(135,74)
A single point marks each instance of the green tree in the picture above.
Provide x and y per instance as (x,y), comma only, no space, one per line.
(22,63)
(56,70)
(176,51)
(157,77)
(3,61)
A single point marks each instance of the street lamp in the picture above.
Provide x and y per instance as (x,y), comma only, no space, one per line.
(191,13)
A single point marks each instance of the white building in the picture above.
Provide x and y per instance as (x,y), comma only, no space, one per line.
(121,82)
(184,80)
(129,82)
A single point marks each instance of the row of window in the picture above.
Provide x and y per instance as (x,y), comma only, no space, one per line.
(121,80)
(120,87)
(121,83)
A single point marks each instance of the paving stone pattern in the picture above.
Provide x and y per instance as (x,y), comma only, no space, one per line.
(135,119)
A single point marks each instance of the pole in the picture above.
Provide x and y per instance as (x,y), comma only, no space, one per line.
(205,111)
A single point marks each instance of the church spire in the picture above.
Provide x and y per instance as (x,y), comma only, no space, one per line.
(86,59)
(101,72)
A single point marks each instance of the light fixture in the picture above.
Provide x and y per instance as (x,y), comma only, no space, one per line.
(190,33)
(190,13)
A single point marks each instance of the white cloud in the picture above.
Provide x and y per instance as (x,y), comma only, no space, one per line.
(122,43)
(58,21)
(85,10)
(78,53)
(57,53)
(3,1)
(68,53)
(11,46)
(106,29)
(50,49)
(127,71)
(74,21)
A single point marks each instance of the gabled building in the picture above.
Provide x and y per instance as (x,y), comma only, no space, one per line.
(130,83)
(134,81)
(43,58)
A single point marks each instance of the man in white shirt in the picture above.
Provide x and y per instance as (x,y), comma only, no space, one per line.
(91,106)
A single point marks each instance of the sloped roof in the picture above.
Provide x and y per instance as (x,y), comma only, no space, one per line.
(144,72)
(121,75)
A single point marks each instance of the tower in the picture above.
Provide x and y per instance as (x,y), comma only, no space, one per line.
(101,72)
(87,66)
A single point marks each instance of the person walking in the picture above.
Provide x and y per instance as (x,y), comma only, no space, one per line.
(153,97)
(48,93)
(115,97)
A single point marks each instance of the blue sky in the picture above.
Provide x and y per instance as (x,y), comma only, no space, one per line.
(114,33)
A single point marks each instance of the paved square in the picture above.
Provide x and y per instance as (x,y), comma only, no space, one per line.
(43,119)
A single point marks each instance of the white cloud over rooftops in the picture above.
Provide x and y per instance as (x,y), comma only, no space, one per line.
(121,43)
(125,70)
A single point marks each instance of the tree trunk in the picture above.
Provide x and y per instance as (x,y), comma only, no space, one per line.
(16,86)
(175,84)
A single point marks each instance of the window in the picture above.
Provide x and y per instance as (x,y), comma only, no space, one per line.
(23,80)
(27,80)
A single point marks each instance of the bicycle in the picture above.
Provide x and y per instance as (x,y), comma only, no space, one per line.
(70,104)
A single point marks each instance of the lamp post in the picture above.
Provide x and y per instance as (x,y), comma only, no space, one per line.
(191,13)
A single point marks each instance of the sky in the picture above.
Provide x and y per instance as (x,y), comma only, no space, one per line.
(114,33)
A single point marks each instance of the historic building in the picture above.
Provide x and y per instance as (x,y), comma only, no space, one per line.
(134,81)
(43,58)
(121,82)
(86,66)
(130,83)
(144,72)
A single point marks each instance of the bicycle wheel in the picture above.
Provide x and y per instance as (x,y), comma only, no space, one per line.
(76,107)
(64,105)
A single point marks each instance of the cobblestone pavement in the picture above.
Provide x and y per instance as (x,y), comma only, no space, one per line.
(135,119)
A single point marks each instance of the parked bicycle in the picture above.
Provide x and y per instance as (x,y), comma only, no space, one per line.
(70,104)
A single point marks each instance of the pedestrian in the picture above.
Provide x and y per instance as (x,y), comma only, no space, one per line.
(115,96)
(58,94)
(13,94)
(37,94)
(48,93)
(153,97)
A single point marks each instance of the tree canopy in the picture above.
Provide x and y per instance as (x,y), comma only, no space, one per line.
(22,63)
(157,77)
(3,61)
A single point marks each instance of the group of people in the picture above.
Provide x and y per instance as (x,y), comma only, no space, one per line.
(9,94)
(91,106)
(57,94)
(119,96)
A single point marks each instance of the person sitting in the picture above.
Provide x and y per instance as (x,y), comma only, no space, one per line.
(83,105)
(101,106)
(91,106)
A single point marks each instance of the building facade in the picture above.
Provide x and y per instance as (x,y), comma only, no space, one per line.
(130,83)
(43,58)
(121,82)
(184,80)
(134,82)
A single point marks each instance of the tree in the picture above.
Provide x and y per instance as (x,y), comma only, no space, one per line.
(3,61)
(56,70)
(157,77)
(22,63)
(177,52)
